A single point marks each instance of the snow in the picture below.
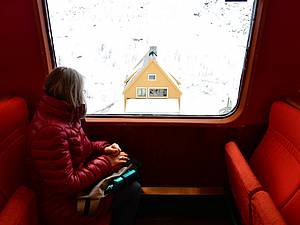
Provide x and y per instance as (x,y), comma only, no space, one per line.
(200,42)
(154,106)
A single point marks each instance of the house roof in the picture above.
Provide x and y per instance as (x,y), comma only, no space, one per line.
(143,64)
(132,78)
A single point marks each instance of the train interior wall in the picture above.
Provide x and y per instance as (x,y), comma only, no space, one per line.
(170,154)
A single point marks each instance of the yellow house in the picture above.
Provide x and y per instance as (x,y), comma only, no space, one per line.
(150,81)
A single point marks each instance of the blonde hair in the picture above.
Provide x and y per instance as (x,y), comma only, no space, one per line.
(65,84)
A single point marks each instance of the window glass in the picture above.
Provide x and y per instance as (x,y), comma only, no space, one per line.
(141,92)
(151,76)
(196,48)
(158,92)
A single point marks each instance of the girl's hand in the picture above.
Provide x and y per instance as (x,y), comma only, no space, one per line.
(119,159)
(113,149)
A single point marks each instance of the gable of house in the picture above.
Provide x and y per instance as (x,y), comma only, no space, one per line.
(162,80)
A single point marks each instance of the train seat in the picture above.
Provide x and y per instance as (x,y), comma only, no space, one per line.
(264,211)
(274,167)
(17,202)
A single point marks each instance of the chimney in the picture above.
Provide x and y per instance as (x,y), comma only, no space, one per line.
(151,54)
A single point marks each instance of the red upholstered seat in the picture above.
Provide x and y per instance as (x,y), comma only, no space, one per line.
(275,163)
(13,174)
(243,181)
(276,160)
(264,212)
(291,209)
(20,209)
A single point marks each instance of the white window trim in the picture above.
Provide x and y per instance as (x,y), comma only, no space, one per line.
(149,74)
(136,92)
(158,88)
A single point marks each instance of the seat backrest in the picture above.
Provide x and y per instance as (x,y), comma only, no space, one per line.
(276,161)
(13,141)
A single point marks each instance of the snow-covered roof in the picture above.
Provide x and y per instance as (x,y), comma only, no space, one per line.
(149,57)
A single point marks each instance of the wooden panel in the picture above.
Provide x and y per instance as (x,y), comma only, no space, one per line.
(196,191)
(178,155)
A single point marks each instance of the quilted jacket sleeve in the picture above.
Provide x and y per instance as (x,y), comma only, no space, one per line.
(97,147)
(53,161)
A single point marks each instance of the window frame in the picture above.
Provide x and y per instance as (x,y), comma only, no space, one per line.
(152,74)
(159,97)
(257,21)
(136,92)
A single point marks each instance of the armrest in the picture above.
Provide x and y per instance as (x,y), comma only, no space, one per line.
(242,180)
(20,209)
(264,211)
(239,169)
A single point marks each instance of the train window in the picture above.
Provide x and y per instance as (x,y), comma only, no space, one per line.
(141,57)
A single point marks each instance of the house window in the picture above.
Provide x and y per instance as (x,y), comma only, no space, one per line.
(204,61)
(141,92)
(151,76)
(158,92)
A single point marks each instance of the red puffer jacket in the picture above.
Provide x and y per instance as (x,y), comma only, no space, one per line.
(65,162)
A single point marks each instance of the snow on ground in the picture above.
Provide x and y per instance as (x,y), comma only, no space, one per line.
(154,106)
(200,42)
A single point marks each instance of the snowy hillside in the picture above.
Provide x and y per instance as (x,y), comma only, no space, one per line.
(200,42)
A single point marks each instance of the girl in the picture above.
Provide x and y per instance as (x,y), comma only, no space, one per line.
(65,162)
